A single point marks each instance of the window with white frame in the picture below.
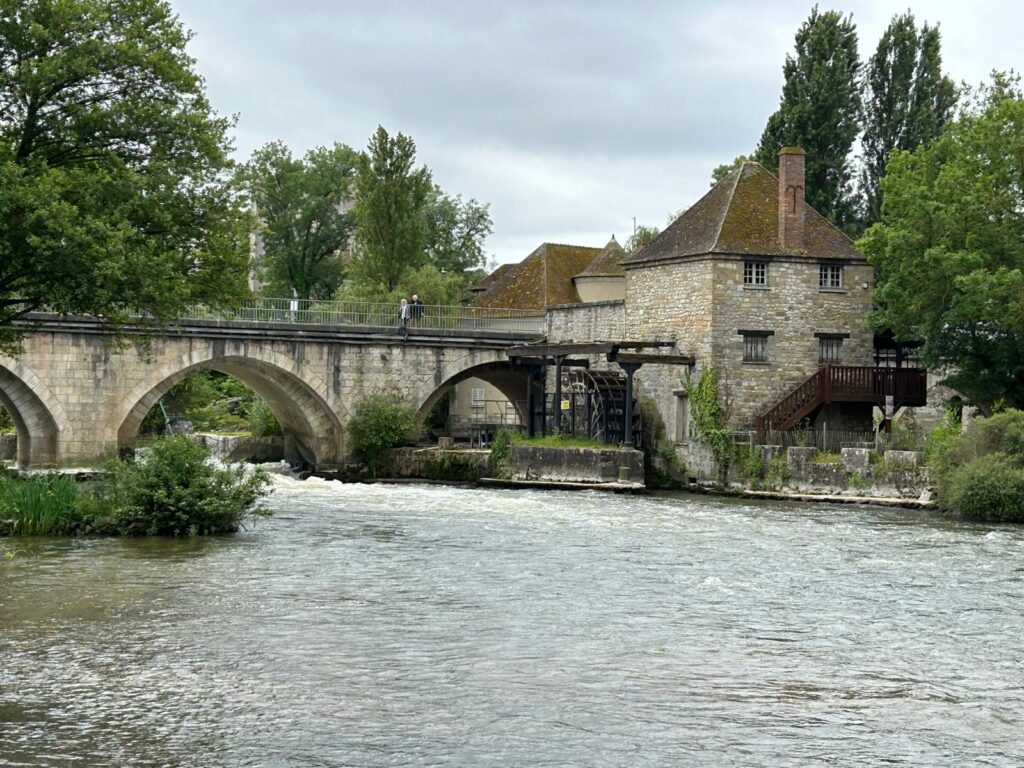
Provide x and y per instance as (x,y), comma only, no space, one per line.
(476,399)
(755,346)
(830,276)
(755,273)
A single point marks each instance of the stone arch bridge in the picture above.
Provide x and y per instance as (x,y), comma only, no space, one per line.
(78,398)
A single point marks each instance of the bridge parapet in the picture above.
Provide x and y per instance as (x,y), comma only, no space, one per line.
(376,315)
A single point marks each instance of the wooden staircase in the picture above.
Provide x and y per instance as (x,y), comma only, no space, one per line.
(845,384)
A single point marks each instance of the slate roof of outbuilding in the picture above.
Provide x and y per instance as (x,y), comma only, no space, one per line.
(608,263)
(740,216)
(542,279)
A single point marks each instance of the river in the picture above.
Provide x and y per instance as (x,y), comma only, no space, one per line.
(429,625)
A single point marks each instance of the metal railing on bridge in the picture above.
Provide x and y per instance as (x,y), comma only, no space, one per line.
(376,315)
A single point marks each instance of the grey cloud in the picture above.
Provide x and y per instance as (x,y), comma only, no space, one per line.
(570,116)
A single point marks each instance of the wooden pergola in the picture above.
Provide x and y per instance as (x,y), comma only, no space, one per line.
(626,354)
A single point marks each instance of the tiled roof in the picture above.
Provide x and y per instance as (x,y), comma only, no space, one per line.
(540,280)
(608,263)
(740,215)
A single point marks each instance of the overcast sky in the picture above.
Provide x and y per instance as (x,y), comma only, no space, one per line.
(569,118)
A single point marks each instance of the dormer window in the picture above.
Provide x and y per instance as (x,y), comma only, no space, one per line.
(755,273)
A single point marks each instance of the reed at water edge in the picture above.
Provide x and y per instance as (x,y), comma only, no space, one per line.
(41,505)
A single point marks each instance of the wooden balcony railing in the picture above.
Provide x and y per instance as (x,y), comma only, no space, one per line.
(845,384)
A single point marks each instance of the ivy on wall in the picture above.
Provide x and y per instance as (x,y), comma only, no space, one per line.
(708,419)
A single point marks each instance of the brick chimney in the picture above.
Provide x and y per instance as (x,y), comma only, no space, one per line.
(791,199)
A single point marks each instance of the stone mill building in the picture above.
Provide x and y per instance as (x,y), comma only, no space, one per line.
(752,282)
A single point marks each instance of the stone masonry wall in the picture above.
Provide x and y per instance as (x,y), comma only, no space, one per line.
(669,302)
(600,321)
(574,465)
(794,307)
(702,303)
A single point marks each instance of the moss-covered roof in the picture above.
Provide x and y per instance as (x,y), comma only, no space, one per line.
(608,263)
(540,280)
(486,283)
(740,215)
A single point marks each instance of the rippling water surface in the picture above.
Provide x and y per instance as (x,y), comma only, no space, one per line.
(416,625)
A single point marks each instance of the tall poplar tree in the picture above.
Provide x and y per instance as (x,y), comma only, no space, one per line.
(391,193)
(907,100)
(820,110)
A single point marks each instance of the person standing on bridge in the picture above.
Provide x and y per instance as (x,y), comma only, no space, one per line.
(403,316)
(416,309)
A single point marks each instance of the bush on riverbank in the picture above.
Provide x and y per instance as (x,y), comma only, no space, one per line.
(981,472)
(381,422)
(170,489)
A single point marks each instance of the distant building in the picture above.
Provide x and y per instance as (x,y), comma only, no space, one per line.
(543,279)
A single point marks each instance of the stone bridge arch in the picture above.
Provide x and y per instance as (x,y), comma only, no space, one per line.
(510,380)
(313,431)
(38,416)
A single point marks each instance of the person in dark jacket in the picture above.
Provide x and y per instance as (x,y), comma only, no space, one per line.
(416,309)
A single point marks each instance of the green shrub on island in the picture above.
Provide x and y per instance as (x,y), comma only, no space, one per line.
(381,422)
(173,489)
(261,420)
(501,447)
(6,422)
(170,489)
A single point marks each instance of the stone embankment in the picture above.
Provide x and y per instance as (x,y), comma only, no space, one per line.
(854,472)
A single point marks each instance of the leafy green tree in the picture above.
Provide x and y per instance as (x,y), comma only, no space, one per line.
(391,194)
(907,100)
(819,110)
(721,171)
(641,237)
(427,282)
(455,232)
(302,206)
(949,250)
(112,166)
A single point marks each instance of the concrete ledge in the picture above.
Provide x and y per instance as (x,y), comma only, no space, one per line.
(549,485)
(574,465)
